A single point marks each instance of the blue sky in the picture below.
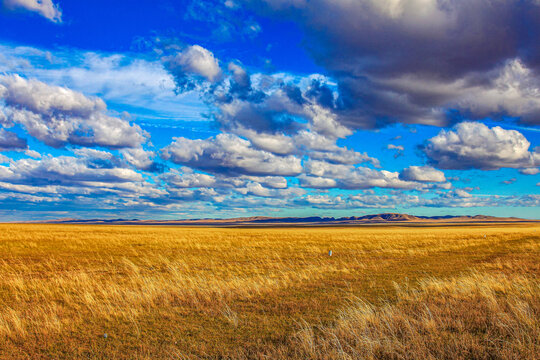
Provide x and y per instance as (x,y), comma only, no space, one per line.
(225,108)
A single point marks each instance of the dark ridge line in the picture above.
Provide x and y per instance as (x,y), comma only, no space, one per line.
(261,221)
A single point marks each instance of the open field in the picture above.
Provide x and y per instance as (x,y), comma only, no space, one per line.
(458,292)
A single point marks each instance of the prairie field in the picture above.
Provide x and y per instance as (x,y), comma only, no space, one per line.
(143,292)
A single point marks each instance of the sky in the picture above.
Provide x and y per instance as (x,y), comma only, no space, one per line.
(233,108)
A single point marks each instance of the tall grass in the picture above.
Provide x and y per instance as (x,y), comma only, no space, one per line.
(168,293)
(474,316)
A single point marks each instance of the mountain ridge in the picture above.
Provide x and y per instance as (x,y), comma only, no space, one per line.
(371,219)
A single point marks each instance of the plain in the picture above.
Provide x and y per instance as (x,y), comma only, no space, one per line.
(143,292)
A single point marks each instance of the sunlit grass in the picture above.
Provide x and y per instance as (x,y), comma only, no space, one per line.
(166,292)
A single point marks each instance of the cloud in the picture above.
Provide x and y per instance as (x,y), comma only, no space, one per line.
(277,116)
(275,143)
(4,159)
(145,86)
(324,175)
(257,189)
(65,171)
(421,61)
(476,146)
(398,150)
(422,174)
(188,180)
(59,116)
(45,8)
(32,153)
(223,185)
(193,61)
(529,171)
(222,21)
(142,159)
(11,141)
(452,199)
(395,147)
(227,153)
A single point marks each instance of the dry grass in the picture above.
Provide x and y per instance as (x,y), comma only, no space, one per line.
(468,317)
(175,293)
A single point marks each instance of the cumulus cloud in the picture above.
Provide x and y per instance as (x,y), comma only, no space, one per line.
(11,141)
(476,146)
(65,171)
(257,189)
(45,8)
(529,171)
(32,153)
(321,175)
(227,153)
(223,185)
(193,61)
(188,179)
(142,159)
(414,61)
(452,199)
(59,116)
(422,174)
(277,116)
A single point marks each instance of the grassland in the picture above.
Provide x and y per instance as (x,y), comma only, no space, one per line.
(461,292)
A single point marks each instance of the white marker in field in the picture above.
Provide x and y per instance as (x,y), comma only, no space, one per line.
(330,253)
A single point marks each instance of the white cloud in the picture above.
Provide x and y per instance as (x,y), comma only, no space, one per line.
(188,180)
(45,8)
(33,154)
(274,143)
(395,147)
(256,189)
(64,170)
(325,122)
(320,174)
(476,146)
(422,174)
(121,80)
(193,60)
(59,116)
(138,157)
(200,61)
(529,171)
(227,153)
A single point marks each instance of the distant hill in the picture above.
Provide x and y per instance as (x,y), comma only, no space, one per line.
(386,218)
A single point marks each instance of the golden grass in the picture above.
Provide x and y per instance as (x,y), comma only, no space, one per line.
(175,293)
(469,317)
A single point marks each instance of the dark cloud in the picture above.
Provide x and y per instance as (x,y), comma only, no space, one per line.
(11,141)
(414,61)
